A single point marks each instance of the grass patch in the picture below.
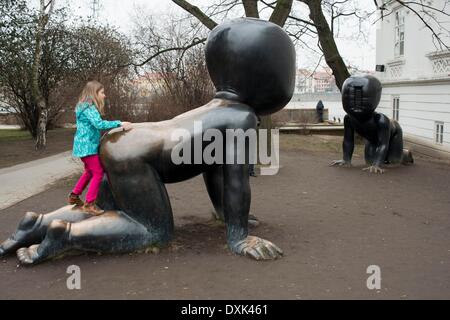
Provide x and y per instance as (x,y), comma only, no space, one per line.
(7,135)
(12,135)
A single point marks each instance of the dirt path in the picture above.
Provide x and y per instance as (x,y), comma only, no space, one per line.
(331,222)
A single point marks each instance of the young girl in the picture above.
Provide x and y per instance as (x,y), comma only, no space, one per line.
(86,144)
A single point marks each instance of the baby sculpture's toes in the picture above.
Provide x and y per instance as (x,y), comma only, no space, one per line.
(28,255)
(8,246)
(374,169)
(24,235)
(257,248)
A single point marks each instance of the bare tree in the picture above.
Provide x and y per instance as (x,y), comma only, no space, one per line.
(45,12)
(64,56)
(322,22)
(178,76)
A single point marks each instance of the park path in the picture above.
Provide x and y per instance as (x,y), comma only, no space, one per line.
(22,181)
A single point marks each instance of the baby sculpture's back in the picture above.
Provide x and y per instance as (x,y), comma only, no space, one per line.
(154,142)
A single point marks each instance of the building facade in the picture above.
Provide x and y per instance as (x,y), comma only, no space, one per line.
(415,74)
(315,82)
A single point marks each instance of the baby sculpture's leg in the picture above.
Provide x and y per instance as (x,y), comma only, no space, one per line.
(370,153)
(105,198)
(396,153)
(214,185)
(141,194)
(110,232)
(33,227)
(236,206)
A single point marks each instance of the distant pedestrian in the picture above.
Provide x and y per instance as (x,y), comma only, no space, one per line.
(319,111)
(86,144)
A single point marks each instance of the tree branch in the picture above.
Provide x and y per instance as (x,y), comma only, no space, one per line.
(327,42)
(194,43)
(425,23)
(196,12)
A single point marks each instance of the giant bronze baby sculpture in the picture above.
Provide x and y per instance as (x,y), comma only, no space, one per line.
(252,65)
(383,136)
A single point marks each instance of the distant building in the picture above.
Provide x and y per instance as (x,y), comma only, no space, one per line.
(303,81)
(324,81)
(315,82)
(148,84)
(415,77)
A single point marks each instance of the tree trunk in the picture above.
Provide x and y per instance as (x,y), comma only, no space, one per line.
(327,43)
(279,16)
(36,93)
(251,8)
(41,138)
(281,12)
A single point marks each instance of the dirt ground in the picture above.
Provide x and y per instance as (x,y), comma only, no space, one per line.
(332,223)
(19,147)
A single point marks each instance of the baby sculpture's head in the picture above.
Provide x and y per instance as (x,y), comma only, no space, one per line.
(361,95)
(252,61)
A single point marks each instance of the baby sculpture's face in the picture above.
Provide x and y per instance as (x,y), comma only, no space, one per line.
(252,61)
(361,95)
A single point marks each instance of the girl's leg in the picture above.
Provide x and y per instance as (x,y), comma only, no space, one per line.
(84,180)
(96,168)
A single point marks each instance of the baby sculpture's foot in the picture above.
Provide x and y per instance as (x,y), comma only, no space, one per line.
(257,248)
(23,235)
(9,245)
(28,255)
(54,244)
(374,169)
(341,163)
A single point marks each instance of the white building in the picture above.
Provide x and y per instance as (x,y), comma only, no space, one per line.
(416,76)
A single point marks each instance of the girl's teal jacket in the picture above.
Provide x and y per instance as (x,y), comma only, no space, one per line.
(89,125)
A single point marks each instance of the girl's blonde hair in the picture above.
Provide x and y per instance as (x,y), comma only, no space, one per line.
(90,94)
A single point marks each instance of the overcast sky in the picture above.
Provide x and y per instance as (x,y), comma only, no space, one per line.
(120,14)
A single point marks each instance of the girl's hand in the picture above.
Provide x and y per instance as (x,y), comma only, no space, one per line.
(126,125)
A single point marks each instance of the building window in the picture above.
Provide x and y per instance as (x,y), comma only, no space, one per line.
(395,107)
(439,130)
(399,45)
